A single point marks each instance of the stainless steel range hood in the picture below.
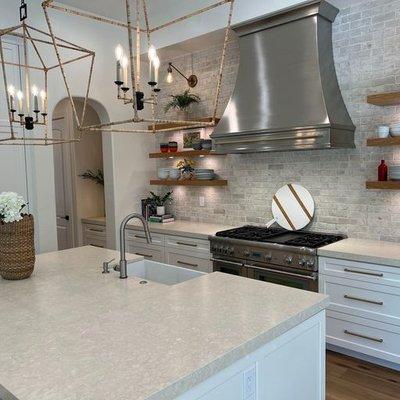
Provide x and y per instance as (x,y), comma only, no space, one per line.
(287,96)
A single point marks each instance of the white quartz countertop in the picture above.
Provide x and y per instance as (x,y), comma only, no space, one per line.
(199,230)
(371,251)
(70,332)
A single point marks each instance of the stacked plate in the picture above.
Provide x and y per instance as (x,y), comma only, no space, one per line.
(204,173)
(394,173)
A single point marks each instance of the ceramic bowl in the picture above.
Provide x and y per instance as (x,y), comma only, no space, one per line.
(395,131)
(163,173)
(383,131)
(206,144)
(174,173)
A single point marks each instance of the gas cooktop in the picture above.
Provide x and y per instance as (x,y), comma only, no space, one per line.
(308,239)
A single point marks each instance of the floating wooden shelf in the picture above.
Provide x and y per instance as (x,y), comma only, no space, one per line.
(160,127)
(188,182)
(384,99)
(185,153)
(389,141)
(387,185)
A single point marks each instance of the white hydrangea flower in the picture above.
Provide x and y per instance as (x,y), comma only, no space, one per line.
(11,205)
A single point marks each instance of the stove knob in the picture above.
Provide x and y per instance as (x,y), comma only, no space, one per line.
(302,262)
(310,264)
(288,259)
(268,257)
(246,253)
(231,251)
(225,250)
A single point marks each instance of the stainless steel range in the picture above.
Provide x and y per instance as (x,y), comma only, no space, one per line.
(271,254)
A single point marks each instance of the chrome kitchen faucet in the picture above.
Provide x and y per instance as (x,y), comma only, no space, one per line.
(122,263)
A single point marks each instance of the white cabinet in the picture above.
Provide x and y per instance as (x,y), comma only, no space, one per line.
(94,235)
(192,253)
(364,310)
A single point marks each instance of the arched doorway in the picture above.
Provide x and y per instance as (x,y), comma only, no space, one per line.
(77,195)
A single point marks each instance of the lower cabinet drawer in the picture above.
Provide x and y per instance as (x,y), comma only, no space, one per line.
(153,254)
(187,244)
(138,237)
(94,241)
(362,299)
(188,261)
(98,230)
(364,336)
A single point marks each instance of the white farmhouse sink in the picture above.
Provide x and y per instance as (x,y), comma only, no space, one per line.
(161,273)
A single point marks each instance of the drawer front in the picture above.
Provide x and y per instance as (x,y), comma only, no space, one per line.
(365,272)
(364,336)
(188,244)
(94,230)
(188,261)
(138,237)
(153,254)
(373,301)
(95,241)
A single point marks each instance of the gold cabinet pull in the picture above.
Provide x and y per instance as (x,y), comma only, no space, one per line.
(354,271)
(187,244)
(140,236)
(377,302)
(144,255)
(187,264)
(379,340)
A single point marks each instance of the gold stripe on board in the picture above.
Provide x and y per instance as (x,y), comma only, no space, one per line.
(292,189)
(278,203)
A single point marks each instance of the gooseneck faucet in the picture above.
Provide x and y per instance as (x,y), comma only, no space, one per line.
(122,263)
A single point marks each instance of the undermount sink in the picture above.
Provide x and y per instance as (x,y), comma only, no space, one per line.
(161,273)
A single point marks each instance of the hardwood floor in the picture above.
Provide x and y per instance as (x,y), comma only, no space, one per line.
(352,379)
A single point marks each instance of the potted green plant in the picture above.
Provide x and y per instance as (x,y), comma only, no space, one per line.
(187,168)
(182,102)
(17,249)
(160,201)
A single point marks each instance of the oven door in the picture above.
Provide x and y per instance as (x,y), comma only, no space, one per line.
(286,277)
(229,267)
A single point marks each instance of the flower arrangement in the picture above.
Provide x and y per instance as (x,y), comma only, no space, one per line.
(11,205)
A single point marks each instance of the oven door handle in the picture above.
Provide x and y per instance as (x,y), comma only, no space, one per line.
(312,278)
(227,262)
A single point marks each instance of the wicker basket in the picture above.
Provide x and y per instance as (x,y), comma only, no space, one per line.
(17,249)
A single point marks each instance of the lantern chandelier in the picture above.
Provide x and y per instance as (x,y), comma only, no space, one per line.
(128,80)
(25,110)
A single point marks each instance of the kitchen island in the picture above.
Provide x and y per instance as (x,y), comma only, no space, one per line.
(71,332)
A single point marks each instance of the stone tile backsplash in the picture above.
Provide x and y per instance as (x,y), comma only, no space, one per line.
(366,40)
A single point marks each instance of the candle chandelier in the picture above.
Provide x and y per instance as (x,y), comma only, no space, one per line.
(128,77)
(26,101)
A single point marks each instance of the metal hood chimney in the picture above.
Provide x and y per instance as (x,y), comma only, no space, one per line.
(286,96)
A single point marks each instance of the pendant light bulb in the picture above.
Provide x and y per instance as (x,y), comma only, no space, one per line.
(124,62)
(20,95)
(43,95)
(35,90)
(156,62)
(152,53)
(119,52)
(11,90)
(170,78)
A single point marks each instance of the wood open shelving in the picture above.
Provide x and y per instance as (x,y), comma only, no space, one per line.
(384,99)
(185,153)
(388,185)
(159,127)
(189,182)
(381,142)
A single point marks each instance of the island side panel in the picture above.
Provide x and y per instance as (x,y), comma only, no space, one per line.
(292,366)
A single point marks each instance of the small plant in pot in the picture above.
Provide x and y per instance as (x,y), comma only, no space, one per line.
(182,102)
(17,248)
(160,201)
(187,168)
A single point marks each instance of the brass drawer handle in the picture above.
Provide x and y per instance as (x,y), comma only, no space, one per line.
(187,244)
(379,340)
(95,230)
(354,271)
(140,236)
(379,303)
(187,264)
(96,245)
(144,255)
